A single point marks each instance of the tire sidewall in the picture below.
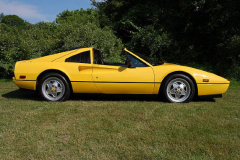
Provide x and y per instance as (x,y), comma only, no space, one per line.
(175,76)
(54,75)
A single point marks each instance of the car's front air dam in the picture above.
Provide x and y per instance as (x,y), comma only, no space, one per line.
(212,89)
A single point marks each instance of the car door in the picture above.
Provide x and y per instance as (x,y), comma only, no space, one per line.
(119,79)
(79,69)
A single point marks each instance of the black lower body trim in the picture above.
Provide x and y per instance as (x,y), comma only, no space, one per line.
(211,96)
(110,82)
(24,80)
(213,83)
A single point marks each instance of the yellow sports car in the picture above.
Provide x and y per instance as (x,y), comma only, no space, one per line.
(83,70)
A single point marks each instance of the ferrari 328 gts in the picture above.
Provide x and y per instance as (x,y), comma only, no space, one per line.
(83,70)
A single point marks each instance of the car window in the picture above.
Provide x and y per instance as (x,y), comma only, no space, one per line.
(83,57)
(97,57)
(136,62)
(152,61)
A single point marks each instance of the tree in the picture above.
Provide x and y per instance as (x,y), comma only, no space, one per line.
(1,16)
(80,16)
(73,28)
(199,31)
(81,28)
(14,21)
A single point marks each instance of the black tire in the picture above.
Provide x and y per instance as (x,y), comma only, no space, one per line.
(177,88)
(54,87)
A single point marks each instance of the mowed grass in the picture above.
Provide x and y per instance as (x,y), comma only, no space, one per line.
(118,127)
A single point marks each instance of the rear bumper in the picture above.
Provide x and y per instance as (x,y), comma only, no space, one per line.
(26,84)
(212,89)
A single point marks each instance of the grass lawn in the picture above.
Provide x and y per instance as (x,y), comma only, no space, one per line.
(112,127)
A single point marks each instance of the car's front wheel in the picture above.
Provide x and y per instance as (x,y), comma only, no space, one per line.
(54,87)
(178,88)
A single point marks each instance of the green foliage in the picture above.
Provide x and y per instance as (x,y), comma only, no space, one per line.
(89,34)
(16,45)
(1,16)
(14,21)
(196,32)
(78,16)
(74,28)
(150,42)
(202,34)
(81,28)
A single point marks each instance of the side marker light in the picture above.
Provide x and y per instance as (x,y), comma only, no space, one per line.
(205,80)
(22,77)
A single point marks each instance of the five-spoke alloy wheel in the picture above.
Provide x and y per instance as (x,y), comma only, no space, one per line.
(178,88)
(54,87)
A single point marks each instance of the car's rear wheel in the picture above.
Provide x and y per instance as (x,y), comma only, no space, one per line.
(54,87)
(178,88)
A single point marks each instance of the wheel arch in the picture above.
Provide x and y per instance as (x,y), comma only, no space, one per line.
(56,71)
(184,73)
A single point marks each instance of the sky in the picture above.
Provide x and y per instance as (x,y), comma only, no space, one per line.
(35,11)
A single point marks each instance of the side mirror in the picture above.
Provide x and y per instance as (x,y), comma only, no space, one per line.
(129,64)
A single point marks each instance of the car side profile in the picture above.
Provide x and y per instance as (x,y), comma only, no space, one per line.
(83,70)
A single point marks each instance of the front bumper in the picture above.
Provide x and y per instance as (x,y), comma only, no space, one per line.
(212,89)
